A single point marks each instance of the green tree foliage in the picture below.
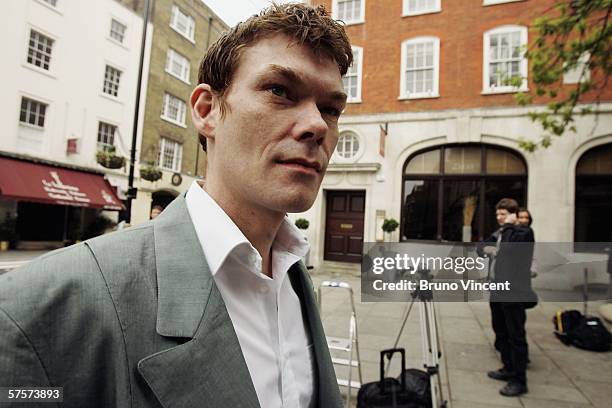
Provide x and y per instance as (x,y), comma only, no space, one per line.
(574,34)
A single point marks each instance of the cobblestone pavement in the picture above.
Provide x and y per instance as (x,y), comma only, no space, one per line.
(558,376)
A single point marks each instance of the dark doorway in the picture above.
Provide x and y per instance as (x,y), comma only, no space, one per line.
(344,226)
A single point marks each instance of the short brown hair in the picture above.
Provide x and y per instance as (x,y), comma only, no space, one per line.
(508,204)
(304,24)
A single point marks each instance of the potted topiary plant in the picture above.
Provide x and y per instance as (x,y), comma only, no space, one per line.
(109,159)
(302,223)
(389,225)
(150,171)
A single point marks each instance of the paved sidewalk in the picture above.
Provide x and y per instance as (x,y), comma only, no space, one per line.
(558,376)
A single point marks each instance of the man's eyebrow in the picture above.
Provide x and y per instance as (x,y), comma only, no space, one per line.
(292,76)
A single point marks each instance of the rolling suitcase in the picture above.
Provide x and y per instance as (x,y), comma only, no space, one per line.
(387,392)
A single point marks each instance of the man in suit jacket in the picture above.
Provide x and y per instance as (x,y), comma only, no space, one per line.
(208,305)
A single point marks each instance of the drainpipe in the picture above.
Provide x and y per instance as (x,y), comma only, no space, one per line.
(195,171)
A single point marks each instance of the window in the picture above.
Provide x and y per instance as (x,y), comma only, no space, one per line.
(32,112)
(594,195)
(352,79)
(420,68)
(492,2)
(349,11)
(415,7)
(112,76)
(117,30)
(183,23)
(170,153)
(504,50)
(174,110)
(178,65)
(39,50)
(450,192)
(348,145)
(572,76)
(106,136)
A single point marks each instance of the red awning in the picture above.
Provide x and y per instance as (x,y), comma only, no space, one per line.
(25,181)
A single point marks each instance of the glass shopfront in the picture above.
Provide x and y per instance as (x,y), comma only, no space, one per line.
(449,192)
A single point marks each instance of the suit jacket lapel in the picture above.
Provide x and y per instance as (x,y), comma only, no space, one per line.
(328,393)
(209,368)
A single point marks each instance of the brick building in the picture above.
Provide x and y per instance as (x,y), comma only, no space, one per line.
(183,31)
(430,134)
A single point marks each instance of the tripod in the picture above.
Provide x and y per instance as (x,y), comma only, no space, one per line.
(430,342)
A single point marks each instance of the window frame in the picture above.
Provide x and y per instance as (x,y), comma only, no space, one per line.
(495,2)
(125,30)
(53,40)
(103,146)
(523,64)
(169,64)
(173,23)
(406,13)
(361,18)
(120,71)
(177,154)
(435,93)
(181,112)
(37,114)
(359,74)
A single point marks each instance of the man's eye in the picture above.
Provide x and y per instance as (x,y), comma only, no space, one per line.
(331,111)
(279,91)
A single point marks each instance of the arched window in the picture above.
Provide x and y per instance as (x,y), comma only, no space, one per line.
(450,192)
(593,222)
(348,145)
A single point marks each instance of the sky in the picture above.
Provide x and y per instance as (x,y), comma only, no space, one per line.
(233,11)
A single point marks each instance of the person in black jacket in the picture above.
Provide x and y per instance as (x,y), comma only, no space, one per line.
(511,251)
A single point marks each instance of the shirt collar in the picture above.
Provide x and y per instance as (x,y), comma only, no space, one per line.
(220,237)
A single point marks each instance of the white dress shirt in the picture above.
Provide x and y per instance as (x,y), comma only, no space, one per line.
(266,312)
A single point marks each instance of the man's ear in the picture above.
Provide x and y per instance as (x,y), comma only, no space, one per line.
(204,113)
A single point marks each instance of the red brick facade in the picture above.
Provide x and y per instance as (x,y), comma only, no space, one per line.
(460,26)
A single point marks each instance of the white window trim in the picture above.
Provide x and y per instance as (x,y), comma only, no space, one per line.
(52,70)
(35,99)
(436,75)
(190,39)
(524,67)
(360,150)
(177,161)
(185,80)
(405,13)
(357,99)
(494,2)
(169,119)
(57,8)
(349,22)
(571,77)
(125,33)
(121,75)
(115,135)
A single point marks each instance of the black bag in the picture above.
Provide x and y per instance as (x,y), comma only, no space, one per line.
(584,332)
(388,392)
(418,386)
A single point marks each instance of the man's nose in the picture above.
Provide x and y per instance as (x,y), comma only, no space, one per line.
(310,124)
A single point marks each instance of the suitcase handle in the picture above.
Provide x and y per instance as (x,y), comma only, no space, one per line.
(389,354)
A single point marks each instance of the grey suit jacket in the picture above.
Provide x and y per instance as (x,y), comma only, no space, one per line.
(134,319)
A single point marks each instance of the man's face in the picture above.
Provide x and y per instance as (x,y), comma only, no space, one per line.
(273,145)
(501,215)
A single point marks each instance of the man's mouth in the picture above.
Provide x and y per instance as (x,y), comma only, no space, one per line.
(300,163)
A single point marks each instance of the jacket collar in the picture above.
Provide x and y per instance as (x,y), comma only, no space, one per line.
(210,368)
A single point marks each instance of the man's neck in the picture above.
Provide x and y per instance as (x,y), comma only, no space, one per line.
(258,225)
